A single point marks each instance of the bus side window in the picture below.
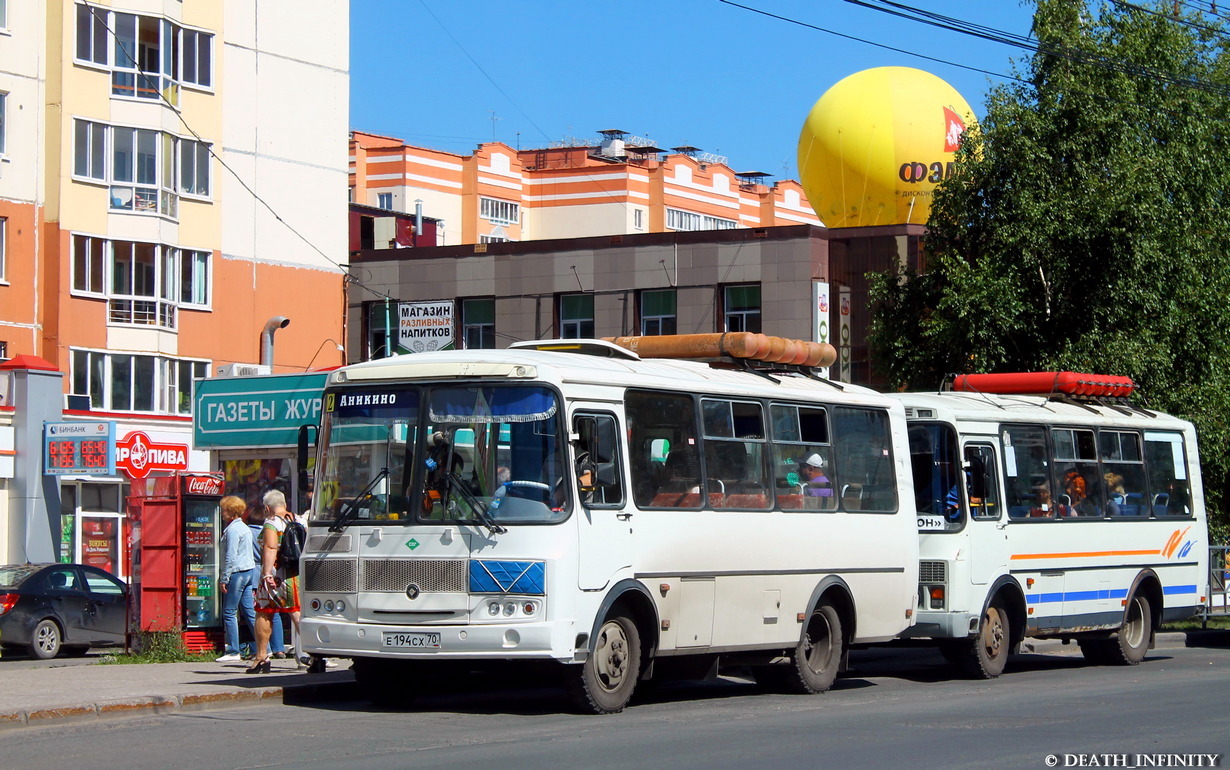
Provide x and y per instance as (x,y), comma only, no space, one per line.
(596,454)
(1168,479)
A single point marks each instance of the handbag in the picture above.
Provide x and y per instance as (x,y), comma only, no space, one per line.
(276,596)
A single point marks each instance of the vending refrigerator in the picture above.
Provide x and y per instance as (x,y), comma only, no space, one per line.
(175,533)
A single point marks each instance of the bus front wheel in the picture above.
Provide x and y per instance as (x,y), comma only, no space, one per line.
(986,654)
(603,684)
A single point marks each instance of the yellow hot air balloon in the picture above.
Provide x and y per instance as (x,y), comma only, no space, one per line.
(876,144)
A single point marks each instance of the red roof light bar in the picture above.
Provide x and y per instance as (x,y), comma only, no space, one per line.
(1046,383)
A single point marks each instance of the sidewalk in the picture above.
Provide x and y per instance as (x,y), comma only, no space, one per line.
(33,697)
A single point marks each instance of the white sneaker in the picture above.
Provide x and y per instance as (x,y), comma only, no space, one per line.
(228,658)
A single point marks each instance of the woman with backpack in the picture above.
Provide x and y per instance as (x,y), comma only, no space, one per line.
(278,591)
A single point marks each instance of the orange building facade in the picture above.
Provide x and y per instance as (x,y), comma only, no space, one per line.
(612,187)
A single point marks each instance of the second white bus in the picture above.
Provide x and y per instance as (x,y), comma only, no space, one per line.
(1052,517)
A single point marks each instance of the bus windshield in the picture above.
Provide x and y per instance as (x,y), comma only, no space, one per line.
(464,454)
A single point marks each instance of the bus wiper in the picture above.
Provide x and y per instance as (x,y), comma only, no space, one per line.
(476,505)
(352,506)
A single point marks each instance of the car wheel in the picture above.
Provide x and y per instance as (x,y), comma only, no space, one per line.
(45,641)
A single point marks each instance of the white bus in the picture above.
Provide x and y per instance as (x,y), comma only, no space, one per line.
(1052,516)
(612,517)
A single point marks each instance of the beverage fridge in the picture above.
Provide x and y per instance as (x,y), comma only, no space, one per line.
(175,555)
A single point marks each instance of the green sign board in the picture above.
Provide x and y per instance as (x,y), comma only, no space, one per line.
(261,411)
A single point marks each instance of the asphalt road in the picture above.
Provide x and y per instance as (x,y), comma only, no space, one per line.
(897,708)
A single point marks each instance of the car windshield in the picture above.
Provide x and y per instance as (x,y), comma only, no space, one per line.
(13,575)
(485,455)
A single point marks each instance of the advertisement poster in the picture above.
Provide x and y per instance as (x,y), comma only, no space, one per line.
(844,333)
(99,544)
(820,317)
(424,326)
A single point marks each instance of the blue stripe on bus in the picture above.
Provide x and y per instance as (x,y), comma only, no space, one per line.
(1083,596)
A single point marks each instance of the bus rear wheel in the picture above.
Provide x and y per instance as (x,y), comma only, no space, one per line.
(986,654)
(603,684)
(1130,644)
(816,660)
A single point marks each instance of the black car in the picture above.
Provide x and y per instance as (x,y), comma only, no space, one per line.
(46,608)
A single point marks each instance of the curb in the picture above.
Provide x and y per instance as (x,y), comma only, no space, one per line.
(153,704)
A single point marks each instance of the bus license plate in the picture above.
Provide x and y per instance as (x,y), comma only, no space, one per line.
(412,640)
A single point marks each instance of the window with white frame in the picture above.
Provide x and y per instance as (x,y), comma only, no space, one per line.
(4,249)
(193,167)
(92,34)
(658,311)
(4,14)
(741,307)
(496,210)
(4,99)
(717,223)
(90,150)
(146,169)
(678,219)
(576,316)
(149,57)
(638,219)
(126,382)
(384,200)
(493,239)
(197,51)
(478,323)
(144,283)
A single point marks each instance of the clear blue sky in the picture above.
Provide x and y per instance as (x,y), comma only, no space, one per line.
(680,72)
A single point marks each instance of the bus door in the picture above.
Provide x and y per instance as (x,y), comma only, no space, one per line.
(604,519)
(987,525)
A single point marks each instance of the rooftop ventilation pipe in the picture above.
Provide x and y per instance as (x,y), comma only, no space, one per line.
(271,326)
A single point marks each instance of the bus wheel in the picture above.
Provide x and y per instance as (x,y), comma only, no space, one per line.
(604,683)
(813,667)
(387,683)
(1130,644)
(987,653)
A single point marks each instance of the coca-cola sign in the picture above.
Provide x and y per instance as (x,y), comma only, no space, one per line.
(203,485)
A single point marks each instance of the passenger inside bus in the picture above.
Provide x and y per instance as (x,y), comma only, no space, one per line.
(814,481)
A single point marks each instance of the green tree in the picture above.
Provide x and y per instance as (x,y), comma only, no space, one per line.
(1085,226)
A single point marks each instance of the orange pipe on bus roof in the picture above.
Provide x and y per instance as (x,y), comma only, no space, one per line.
(749,345)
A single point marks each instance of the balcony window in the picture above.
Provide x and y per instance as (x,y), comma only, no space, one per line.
(495,210)
(197,50)
(135,383)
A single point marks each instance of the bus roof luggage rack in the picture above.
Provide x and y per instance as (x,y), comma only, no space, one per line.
(603,348)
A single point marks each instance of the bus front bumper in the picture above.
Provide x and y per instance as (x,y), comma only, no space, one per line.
(344,639)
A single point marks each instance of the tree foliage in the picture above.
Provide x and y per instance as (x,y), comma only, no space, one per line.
(1085,227)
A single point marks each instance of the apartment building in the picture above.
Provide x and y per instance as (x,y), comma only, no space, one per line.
(172,178)
(616,184)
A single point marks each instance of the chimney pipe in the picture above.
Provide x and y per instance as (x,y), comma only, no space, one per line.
(418,220)
(271,326)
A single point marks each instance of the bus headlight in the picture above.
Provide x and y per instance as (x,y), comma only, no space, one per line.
(493,609)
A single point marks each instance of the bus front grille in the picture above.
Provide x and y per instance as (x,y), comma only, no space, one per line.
(430,575)
(329,576)
(931,572)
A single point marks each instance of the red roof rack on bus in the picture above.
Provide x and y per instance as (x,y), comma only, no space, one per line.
(1046,384)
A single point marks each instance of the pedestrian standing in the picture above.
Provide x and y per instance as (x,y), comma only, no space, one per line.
(239,575)
(278,592)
